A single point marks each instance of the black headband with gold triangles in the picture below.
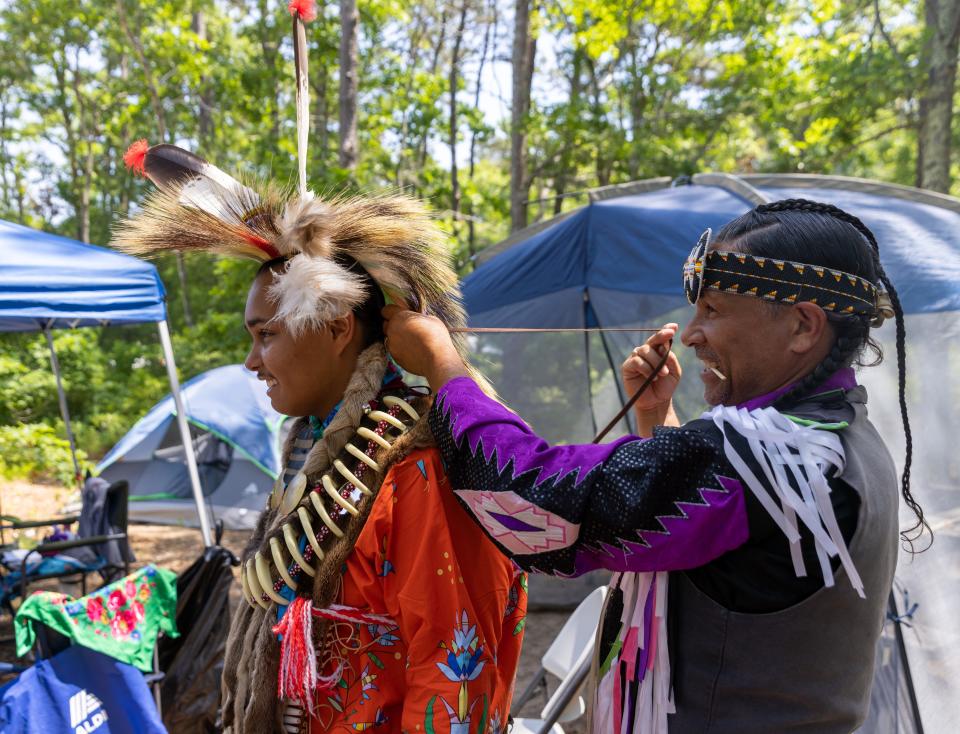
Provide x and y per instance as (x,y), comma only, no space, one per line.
(781,281)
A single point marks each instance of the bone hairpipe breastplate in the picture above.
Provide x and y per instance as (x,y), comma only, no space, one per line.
(317,514)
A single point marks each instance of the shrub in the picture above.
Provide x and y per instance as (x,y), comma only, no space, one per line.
(34,451)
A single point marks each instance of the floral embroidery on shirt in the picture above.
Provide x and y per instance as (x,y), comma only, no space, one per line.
(446,664)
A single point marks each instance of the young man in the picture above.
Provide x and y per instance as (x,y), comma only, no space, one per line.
(776,511)
(372,599)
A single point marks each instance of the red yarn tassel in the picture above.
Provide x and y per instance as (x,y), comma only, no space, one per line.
(297,680)
(136,155)
(306,9)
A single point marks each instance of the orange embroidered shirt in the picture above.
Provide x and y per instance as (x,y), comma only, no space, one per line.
(447,661)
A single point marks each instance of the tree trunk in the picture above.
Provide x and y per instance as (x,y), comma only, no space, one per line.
(404,153)
(936,105)
(84,209)
(60,68)
(454,80)
(135,43)
(524,50)
(204,96)
(87,133)
(602,164)
(434,65)
(571,123)
(349,83)
(21,189)
(471,220)
(5,190)
(269,49)
(321,121)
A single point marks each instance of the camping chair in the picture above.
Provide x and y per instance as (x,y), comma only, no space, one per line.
(78,690)
(568,658)
(108,553)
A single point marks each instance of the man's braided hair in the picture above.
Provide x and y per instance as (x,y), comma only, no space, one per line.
(822,234)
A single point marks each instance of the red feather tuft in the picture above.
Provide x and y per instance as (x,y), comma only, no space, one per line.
(262,244)
(135,156)
(306,9)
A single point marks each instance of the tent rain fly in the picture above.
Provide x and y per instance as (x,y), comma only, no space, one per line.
(50,282)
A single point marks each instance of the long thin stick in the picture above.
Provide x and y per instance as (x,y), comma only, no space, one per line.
(303,100)
(629,404)
(522,330)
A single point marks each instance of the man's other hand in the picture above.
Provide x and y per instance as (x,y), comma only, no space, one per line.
(654,407)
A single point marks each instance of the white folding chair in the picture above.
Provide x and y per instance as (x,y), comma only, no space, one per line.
(568,658)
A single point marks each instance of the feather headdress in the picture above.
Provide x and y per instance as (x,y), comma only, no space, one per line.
(198,207)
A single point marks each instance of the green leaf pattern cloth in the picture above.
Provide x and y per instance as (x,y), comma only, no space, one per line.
(121,620)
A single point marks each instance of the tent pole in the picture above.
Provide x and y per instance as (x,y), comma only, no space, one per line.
(894,615)
(64,411)
(184,432)
(586,358)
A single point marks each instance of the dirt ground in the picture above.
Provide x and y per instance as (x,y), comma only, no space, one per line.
(176,548)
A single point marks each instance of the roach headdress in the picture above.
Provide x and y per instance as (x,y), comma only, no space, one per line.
(198,207)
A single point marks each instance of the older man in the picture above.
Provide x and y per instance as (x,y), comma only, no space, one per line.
(775,513)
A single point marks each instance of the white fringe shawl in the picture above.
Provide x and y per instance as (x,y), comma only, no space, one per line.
(785,451)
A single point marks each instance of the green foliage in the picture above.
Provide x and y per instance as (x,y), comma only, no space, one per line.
(36,452)
(621,91)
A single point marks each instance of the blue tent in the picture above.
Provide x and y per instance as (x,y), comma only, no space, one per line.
(236,436)
(573,271)
(52,282)
(49,282)
(617,262)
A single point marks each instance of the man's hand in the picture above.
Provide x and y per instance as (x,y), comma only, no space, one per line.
(654,406)
(422,345)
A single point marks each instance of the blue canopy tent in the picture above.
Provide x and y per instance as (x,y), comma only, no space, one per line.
(49,282)
(237,444)
(617,262)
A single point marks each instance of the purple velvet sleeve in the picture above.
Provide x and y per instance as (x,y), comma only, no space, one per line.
(630,505)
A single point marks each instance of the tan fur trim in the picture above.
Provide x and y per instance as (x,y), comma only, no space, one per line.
(306,226)
(418,437)
(393,237)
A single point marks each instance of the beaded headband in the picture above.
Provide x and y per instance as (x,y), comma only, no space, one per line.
(781,281)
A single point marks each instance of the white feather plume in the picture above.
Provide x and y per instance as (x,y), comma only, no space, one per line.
(311,291)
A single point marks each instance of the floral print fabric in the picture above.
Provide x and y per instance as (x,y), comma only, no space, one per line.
(447,661)
(121,620)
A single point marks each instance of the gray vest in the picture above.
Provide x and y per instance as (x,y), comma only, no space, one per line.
(808,668)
